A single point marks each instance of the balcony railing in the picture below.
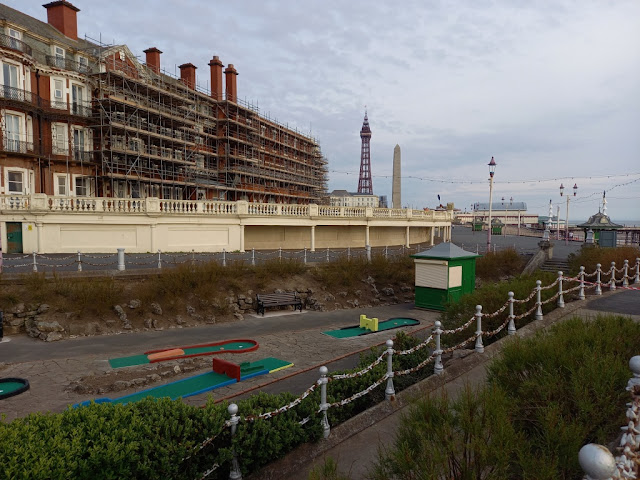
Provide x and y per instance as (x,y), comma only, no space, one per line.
(81,109)
(82,155)
(17,146)
(68,64)
(12,93)
(14,44)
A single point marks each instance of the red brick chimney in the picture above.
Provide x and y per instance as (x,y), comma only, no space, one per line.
(62,16)
(153,59)
(230,75)
(215,65)
(188,74)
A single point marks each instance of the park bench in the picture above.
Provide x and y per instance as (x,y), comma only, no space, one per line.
(277,300)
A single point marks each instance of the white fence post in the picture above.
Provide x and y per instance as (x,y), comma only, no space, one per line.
(79,261)
(560,296)
(438,368)
(121,265)
(280,254)
(253,257)
(581,291)
(598,280)
(327,254)
(349,253)
(479,345)
(389,392)
(159,259)
(386,253)
(368,248)
(305,255)
(35,262)
(224,257)
(511,329)
(625,278)
(324,406)
(612,282)
(539,300)
(637,279)
(235,473)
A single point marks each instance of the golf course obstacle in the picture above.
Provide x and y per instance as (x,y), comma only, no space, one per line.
(369,323)
(10,387)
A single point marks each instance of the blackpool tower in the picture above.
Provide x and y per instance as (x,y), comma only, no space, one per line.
(364,182)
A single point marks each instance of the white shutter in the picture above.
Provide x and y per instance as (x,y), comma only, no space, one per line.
(431,274)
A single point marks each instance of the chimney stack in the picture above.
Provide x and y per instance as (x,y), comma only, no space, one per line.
(188,75)
(215,66)
(62,16)
(230,75)
(153,59)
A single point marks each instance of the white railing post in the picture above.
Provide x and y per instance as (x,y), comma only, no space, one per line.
(327,254)
(280,254)
(121,265)
(368,248)
(193,256)
(539,300)
(637,279)
(235,473)
(253,257)
(159,259)
(324,406)
(305,255)
(438,368)
(560,296)
(581,291)
(612,282)
(79,261)
(35,262)
(385,252)
(625,278)
(597,462)
(349,253)
(479,345)
(511,329)
(598,280)
(389,392)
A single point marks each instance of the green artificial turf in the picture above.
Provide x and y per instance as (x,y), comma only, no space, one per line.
(382,326)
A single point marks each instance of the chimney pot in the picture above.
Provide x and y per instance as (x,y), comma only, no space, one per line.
(215,67)
(62,16)
(230,74)
(188,75)
(153,59)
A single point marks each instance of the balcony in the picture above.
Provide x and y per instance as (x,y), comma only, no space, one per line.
(17,146)
(14,44)
(17,94)
(68,64)
(82,155)
(81,109)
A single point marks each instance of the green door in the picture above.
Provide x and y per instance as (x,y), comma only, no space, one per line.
(14,237)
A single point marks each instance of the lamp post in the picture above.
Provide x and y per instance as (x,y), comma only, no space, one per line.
(492,169)
(566,222)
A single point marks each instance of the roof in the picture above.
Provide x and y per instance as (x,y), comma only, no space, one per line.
(600,221)
(344,193)
(445,250)
(501,206)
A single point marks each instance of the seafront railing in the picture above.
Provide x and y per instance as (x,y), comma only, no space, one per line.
(384,372)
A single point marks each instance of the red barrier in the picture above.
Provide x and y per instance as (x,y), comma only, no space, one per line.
(227,368)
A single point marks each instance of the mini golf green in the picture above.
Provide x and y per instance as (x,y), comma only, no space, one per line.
(227,346)
(200,383)
(12,386)
(392,323)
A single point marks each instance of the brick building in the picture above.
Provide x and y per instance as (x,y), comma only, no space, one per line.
(80,118)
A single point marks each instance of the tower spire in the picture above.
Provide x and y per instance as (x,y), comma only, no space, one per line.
(364,181)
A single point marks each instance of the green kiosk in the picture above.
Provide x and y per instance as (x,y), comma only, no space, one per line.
(443,274)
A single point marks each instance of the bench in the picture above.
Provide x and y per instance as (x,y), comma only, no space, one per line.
(277,300)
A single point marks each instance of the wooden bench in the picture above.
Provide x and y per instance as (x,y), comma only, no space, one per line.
(277,300)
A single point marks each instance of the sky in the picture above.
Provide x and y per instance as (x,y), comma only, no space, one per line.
(549,88)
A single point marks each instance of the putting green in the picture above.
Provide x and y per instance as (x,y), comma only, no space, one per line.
(229,346)
(12,386)
(392,323)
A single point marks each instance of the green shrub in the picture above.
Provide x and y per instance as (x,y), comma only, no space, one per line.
(497,265)
(589,256)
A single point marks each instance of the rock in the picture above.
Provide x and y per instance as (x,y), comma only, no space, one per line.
(353,303)
(43,308)
(133,304)
(388,291)
(121,313)
(139,381)
(13,321)
(190,310)
(210,319)
(343,294)
(329,298)
(53,337)
(47,327)
(376,301)
(127,326)
(156,308)
(19,308)
(180,320)
(370,280)
(176,369)
(154,323)
(238,316)
(406,289)
(278,290)
(358,293)
(148,323)
(154,377)
(121,385)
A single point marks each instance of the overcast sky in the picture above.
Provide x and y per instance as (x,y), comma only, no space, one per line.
(551,89)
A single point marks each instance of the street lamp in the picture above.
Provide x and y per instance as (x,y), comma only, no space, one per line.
(492,169)
(575,191)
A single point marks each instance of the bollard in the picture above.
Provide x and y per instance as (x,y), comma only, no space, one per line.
(636,281)
(348,253)
(193,257)
(253,257)
(479,345)
(539,300)
(511,329)
(560,296)
(625,278)
(438,368)
(327,254)
(324,406)
(386,252)
(159,259)
(224,257)
(581,291)
(79,261)
(280,254)
(597,462)
(121,265)
(235,473)
(389,392)
(598,282)
(368,249)
(35,262)
(403,250)
(612,282)
(305,255)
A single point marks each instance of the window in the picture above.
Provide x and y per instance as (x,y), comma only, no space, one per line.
(59,140)
(84,186)
(59,57)
(14,38)
(10,82)
(15,182)
(58,94)
(83,64)
(62,185)
(12,133)
(78,144)
(77,100)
